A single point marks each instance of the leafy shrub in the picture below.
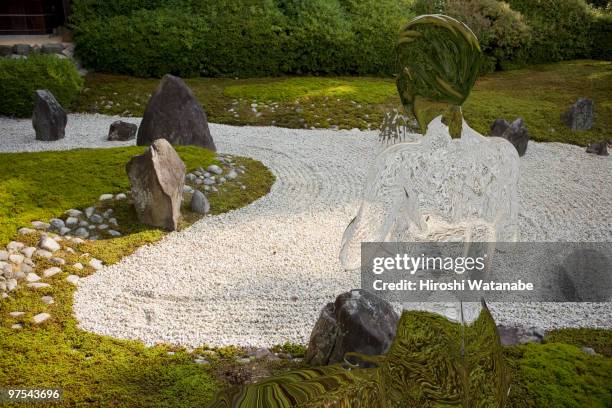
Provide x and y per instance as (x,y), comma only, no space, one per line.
(20,78)
(501,31)
(319,37)
(601,35)
(560,28)
(234,37)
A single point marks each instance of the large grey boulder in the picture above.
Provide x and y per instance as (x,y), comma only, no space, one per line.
(157,179)
(515,132)
(122,131)
(49,118)
(358,321)
(580,116)
(174,113)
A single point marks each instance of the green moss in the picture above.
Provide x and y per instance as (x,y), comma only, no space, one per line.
(20,78)
(363,90)
(599,340)
(539,94)
(559,376)
(91,369)
(295,350)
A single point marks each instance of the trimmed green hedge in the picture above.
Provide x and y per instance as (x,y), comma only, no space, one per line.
(149,38)
(236,37)
(20,78)
(560,29)
(601,36)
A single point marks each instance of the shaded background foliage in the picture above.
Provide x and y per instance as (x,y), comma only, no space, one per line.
(20,78)
(150,38)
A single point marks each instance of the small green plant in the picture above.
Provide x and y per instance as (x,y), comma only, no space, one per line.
(20,78)
(295,350)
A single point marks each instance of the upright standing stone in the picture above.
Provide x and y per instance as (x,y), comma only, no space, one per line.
(518,135)
(49,118)
(173,113)
(499,127)
(157,178)
(580,115)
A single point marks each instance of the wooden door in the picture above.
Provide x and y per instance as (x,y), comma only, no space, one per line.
(30,16)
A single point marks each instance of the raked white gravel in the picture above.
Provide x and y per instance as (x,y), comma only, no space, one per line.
(260,275)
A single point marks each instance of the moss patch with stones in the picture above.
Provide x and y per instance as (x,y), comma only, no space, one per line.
(539,94)
(91,369)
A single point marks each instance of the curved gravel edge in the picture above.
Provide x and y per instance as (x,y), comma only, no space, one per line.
(260,275)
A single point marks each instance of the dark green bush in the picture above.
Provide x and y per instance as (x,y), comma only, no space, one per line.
(501,31)
(20,78)
(601,36)
(560,28)
(238,37)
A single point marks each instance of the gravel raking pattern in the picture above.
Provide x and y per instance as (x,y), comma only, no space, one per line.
(260,275)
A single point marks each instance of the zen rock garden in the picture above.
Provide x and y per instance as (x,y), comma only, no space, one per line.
(209,264)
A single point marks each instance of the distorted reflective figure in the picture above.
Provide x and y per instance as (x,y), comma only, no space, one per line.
(432,362)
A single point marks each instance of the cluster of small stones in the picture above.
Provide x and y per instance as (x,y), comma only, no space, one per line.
(246,356)
(213,178)
(242,108)
(24,50)
(38,267)
(18,261)
(91,223)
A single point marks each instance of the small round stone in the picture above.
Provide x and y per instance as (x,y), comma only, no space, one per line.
(39,225)
(32,277)
(49,244)
(73,279)
(89,211)
(81,232)
(213,168)
(57,224)
(58,261)
(72,221)
(199,204)
(120,196)
(74,213)
(28,252)
(96,218)
(38,285)
(48,300)
(43,253)
(105,197)
(15,246)
(95,263)
(47,273)
(40,318)
(26,231)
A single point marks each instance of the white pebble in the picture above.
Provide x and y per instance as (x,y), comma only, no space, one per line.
(51,271)
(73,279)
(40,318)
